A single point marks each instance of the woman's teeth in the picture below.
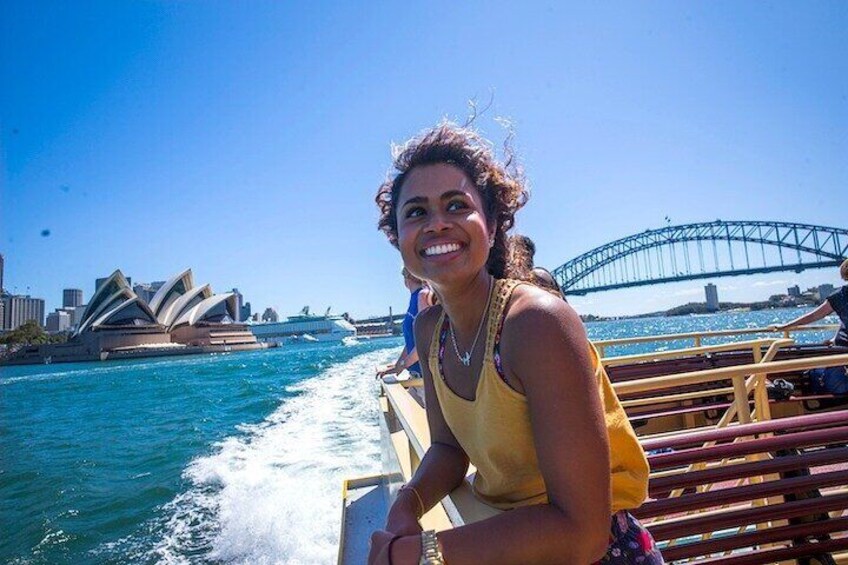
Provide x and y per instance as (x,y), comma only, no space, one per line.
(441,249)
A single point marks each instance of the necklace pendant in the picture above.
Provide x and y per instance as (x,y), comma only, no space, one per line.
(466,359)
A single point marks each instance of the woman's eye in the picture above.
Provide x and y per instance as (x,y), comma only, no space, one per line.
(456,205)
(414,212)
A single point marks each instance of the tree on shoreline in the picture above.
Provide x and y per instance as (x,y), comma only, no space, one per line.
(30,333)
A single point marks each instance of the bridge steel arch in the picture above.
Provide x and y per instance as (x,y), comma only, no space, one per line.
(814,247)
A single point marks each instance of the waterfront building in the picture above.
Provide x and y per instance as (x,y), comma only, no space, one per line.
(76,316)
(2,295)
(58,321)
(21,309)
(711,292)
(270,315)
(794,291)
(71,297)
(181,318)
(146,291)
(101,280)
(825,290)
(239,303)
(246,312)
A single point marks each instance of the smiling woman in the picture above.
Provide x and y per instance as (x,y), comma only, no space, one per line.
(528,404)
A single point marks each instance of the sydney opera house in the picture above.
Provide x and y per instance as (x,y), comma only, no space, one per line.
(181,318)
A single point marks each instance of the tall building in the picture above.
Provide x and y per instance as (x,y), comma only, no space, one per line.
(76,317)
(794,291)
(246,311)
(270,315)
(2,296)
(712,297)
(825,290)
(71,297)
(239,303)
(58,321)
(146,291)
(20,309)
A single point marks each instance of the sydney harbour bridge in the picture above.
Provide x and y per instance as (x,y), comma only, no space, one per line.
(703,250)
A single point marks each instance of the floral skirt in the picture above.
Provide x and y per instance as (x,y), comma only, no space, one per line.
(630,543)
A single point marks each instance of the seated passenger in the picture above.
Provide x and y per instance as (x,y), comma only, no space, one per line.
(419,299)
(512,383)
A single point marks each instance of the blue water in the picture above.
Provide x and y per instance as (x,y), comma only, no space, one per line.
(234,458)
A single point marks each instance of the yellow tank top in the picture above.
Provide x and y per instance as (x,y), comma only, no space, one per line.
(494,429)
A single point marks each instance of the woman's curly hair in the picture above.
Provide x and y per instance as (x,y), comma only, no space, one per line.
(501,185)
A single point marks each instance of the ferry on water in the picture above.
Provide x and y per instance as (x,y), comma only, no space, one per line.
(305,327)
(748,455)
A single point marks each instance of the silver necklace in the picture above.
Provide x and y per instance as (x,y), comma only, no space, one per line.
(466,358)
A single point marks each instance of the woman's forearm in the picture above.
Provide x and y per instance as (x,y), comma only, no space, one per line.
(531,534)
(442,470)
(824,309)
(411,359)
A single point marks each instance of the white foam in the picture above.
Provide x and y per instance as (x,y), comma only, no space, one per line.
(273,494)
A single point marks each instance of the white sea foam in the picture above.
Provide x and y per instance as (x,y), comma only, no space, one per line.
(272,494)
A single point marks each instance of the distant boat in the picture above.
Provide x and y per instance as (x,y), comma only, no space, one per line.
(304,327)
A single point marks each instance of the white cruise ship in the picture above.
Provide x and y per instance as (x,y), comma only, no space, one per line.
(304,327)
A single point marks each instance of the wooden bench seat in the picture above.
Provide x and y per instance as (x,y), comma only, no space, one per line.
(757,493)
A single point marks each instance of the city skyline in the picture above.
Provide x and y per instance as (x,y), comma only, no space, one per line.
(249,143)
(778,286)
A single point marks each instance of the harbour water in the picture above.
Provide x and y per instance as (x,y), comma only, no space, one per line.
(210,459)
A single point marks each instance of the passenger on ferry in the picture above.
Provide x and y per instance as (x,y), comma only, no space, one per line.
(829,380)
(512,383)
(420,298)
(539,275)
(836,302)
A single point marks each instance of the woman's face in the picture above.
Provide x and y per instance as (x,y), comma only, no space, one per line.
(443,234)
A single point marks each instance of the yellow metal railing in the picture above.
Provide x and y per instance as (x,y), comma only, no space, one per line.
(461,507)
(698,337)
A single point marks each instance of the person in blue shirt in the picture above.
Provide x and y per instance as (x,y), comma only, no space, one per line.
(420,298)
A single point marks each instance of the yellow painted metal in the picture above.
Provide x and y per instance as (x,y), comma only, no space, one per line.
(601,345)
(754,344)
(722,373)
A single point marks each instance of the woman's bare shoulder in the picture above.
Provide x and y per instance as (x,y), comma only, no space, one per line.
(533,309)
(542,332)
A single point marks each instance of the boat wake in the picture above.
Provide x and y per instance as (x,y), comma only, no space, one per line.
(272,494)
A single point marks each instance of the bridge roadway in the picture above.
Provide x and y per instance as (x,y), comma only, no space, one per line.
(703,250)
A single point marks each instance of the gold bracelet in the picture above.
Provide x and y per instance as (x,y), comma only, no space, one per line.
(417,497)
(431,553)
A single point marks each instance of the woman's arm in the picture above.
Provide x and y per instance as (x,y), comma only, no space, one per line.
(544,348)
(395,367)
(824,309)
(444,465)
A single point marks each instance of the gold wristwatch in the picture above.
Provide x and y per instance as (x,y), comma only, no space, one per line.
(430,552)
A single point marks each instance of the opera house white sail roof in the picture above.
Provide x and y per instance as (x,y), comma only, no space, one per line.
(177,303)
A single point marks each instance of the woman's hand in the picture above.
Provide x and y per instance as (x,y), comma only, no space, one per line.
(379,554)
(403,518)
(405,550)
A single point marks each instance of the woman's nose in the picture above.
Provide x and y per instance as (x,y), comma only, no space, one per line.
(436,222)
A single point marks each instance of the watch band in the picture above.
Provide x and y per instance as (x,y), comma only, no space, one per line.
(431,554)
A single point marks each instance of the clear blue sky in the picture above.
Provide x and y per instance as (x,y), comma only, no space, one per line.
(246,140)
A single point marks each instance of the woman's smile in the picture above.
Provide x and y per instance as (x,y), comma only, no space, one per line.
(440,249)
